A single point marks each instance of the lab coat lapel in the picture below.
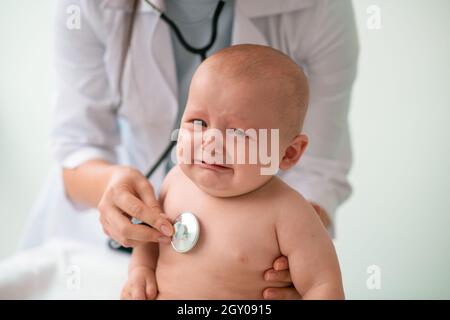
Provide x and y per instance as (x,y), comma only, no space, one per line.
(162,52)
(161,46)
(154,66)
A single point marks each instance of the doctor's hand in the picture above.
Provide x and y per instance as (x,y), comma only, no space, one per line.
(141,285)
(129,194)
(280,273)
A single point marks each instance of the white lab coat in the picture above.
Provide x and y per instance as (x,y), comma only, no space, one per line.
(320,35)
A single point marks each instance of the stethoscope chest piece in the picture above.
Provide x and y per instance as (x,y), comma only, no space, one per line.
(187,232)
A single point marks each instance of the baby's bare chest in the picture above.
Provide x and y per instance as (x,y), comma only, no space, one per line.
(234,234)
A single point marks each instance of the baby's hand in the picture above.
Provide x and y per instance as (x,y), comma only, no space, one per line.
(141,285)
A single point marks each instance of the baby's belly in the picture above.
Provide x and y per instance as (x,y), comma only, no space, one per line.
(212,276)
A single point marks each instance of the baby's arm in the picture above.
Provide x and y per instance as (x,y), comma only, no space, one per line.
(141,283)
(145,255)
(313,263)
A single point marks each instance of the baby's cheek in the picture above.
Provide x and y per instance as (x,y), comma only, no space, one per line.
(247,177)
(239,152)
(184,147)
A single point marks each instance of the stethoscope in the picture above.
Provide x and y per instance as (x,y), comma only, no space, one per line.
(186,226)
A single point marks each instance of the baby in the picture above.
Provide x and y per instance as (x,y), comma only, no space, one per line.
(247,215)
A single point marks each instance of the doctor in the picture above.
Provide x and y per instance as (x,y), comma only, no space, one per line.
(118,102)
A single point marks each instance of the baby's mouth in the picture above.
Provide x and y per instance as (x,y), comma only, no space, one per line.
(213,166)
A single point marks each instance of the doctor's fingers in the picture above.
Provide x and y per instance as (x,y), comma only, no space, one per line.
(146,193)
(281,294)
(279,276)
(109,231)
(281,263)
(134,207)
(130,234)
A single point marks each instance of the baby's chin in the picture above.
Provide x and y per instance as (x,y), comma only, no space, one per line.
(212,183)
(219,185)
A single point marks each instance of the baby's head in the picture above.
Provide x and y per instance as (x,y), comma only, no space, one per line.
(243,120)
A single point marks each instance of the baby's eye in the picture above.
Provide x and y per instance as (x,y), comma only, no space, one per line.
(239,132)
(199,122)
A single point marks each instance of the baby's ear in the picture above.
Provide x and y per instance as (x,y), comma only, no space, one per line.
(294,151)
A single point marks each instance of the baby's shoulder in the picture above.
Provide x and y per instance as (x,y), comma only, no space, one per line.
(293,213)
(287,200)
(282,192)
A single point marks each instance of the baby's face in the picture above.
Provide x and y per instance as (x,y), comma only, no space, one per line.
(221,145)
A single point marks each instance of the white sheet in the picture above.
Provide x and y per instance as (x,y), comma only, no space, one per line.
(64,269)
